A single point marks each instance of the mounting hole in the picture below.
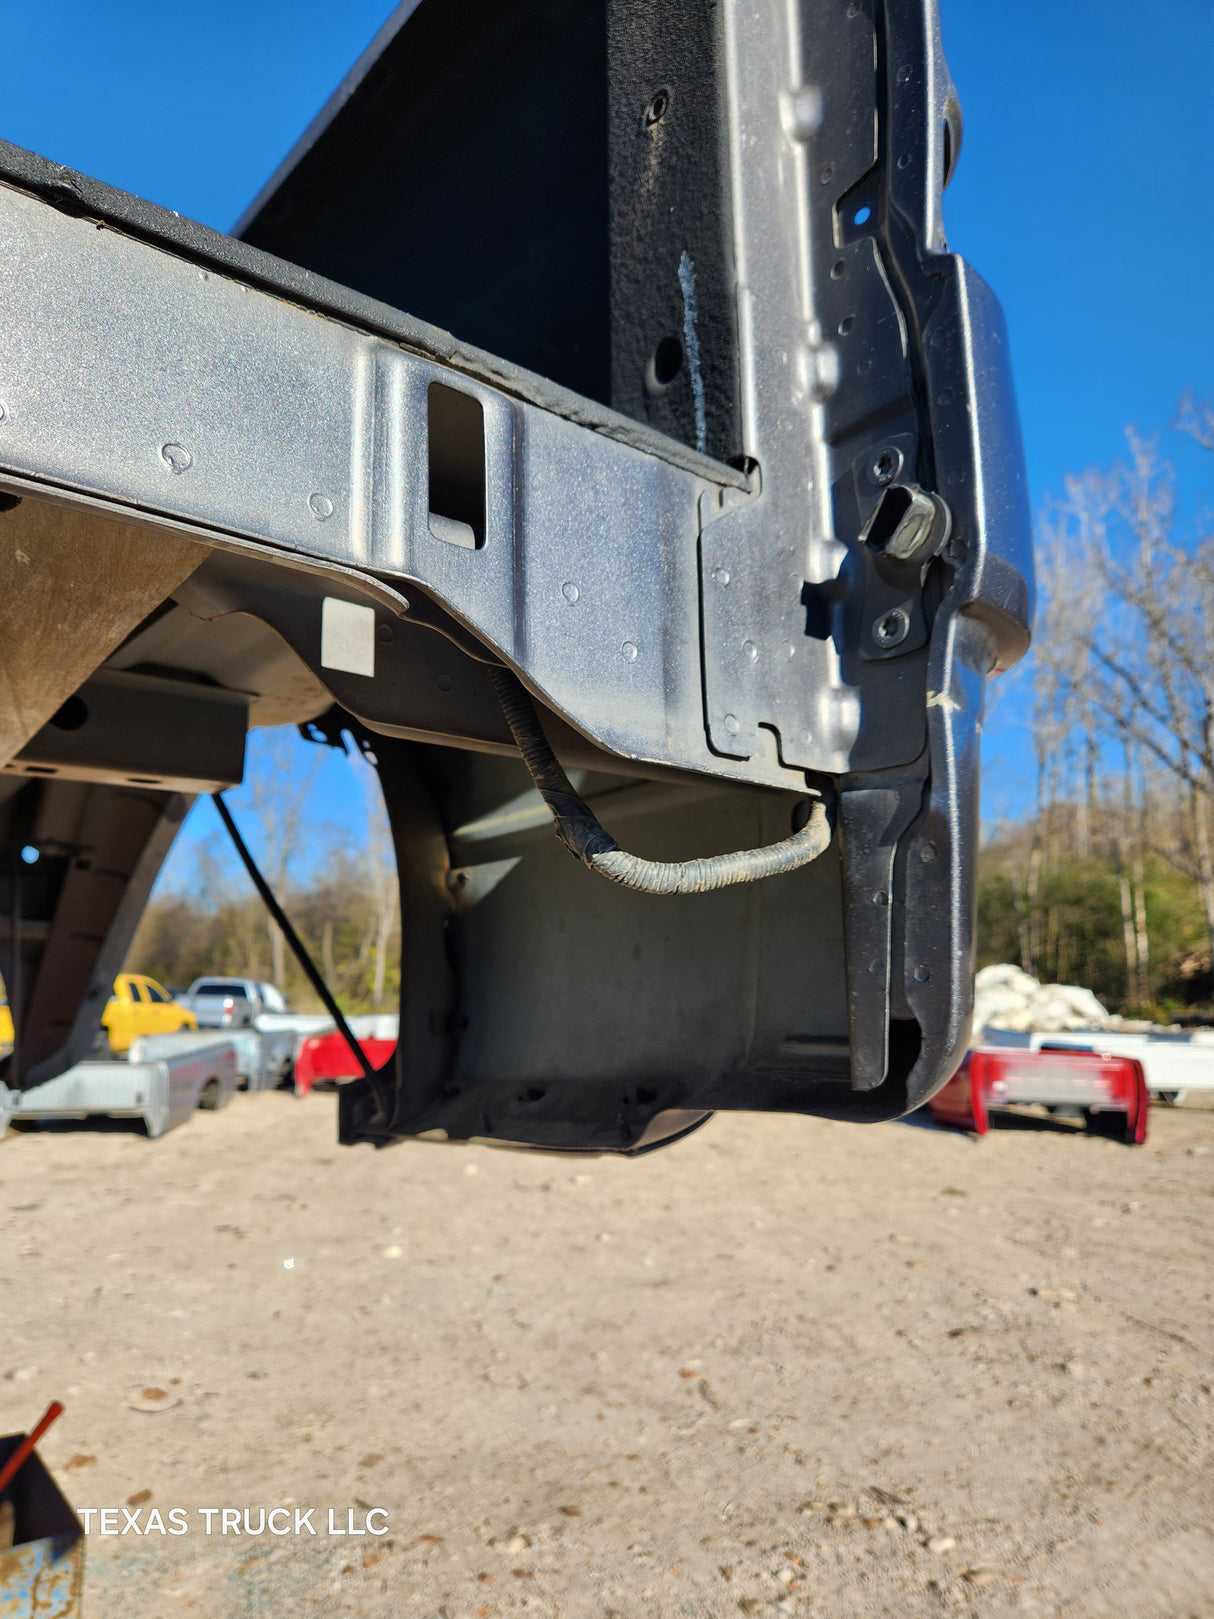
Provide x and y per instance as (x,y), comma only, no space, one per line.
(71,716)
(664,365)
(30,855)
(862,215)
(659,106)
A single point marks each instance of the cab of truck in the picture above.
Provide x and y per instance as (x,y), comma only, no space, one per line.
(139,1005)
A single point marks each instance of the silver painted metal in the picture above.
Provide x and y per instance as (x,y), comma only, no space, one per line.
(203,402)
(830,354)
(140,382)
(161,1084)
(830,605)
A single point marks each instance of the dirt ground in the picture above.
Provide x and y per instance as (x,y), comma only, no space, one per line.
(785,1366)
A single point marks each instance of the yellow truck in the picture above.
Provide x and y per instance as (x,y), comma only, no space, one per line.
(139,1005)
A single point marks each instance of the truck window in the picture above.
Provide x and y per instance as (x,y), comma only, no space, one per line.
(235,992)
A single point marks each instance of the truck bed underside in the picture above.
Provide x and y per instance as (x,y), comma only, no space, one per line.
(765,556)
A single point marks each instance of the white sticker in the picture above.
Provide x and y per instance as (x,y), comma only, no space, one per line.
(347,637)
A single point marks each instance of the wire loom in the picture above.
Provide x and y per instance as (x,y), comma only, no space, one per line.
(579,830)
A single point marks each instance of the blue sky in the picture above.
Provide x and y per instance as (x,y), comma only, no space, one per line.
(1083,192)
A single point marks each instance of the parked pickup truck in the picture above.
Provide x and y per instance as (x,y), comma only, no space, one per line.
(231,1003)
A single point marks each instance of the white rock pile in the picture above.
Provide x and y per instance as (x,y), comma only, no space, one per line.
(1006,997)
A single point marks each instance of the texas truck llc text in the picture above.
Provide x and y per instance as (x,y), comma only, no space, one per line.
(232,1521)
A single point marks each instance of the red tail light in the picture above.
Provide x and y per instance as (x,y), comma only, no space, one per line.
(1001,1078)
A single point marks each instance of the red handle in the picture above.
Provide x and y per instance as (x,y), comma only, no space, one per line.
(23,1451)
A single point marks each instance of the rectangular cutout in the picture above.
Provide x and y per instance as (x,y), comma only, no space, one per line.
(456,454)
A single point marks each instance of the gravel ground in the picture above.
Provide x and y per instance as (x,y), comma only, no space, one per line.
(786,1366)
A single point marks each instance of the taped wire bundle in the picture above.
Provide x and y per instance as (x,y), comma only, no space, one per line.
(579,830)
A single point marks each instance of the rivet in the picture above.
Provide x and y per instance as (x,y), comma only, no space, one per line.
(444,682)
(321,506)
(570,591)
(827,174)
(176,457)
(732,724)
(905,161)
(751,651)
(630,652)
(922,974)
(720,576)
(880,897)
(3,410)
(385,633)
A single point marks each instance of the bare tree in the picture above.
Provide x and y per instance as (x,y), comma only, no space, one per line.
(382,886)
(280,793)
(1127,635)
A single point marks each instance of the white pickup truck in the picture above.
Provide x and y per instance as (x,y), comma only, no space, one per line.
(231,1003)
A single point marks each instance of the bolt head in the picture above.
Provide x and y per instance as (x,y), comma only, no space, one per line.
(885,465)
(892,628)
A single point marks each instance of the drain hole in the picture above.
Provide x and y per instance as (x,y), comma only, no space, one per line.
(665,365)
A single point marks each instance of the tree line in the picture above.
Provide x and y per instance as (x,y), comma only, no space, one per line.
(208,921)
(1110,881)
